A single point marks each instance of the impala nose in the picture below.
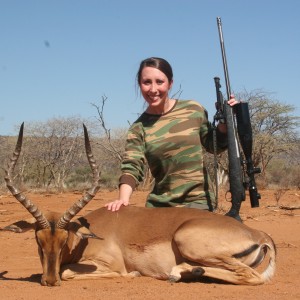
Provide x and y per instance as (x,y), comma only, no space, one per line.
(50,281)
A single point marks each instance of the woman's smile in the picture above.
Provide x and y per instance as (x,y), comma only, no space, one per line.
(155,88)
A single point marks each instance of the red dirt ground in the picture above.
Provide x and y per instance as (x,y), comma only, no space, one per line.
(20,267)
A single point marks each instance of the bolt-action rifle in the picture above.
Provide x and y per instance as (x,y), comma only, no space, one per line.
(239,132)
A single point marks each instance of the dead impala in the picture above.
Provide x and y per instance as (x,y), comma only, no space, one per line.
(163,243)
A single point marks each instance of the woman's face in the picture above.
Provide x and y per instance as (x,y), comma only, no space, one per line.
(155,86)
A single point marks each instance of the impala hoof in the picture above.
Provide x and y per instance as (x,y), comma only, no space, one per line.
(198,271)
(173,278)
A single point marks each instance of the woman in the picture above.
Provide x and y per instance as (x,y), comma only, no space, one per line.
(169,136)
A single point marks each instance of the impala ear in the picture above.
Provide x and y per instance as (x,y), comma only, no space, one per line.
(85,233)
(21,226)
(81,231)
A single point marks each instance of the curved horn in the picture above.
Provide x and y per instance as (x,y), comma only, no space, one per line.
(90,194)
(32,208)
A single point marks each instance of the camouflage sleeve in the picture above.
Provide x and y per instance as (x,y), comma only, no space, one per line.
(206,136)
(134,161)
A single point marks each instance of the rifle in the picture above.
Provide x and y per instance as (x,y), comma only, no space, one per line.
(241,171)
(245,136)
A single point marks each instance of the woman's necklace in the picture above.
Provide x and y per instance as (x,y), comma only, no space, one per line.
(169,104)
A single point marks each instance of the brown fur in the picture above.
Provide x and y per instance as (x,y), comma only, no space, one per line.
(164,243)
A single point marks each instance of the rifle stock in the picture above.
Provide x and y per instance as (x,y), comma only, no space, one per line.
(234,166)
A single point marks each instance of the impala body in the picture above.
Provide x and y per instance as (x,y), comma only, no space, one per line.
(163,243)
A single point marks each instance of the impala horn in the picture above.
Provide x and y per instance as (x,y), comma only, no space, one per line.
(32,208)
(90,194)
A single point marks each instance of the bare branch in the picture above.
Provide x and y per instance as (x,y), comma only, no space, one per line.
(111,146)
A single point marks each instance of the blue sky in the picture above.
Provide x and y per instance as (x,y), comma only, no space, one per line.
(58,57)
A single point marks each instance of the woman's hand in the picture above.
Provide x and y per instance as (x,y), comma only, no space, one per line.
(222,127)
(232,101)
(115,205)
(124,196)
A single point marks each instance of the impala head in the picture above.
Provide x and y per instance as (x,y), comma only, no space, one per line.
(52,230)
(51,242)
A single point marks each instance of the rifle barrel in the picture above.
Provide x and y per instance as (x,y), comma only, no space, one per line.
(228,90)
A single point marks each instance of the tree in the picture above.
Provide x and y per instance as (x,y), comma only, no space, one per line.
(274,127)
(274,130)
(53,148)
(113,143)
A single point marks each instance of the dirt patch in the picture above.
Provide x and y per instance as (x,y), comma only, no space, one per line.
(20,267)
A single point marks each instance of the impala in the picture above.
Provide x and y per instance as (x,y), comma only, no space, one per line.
(163,243)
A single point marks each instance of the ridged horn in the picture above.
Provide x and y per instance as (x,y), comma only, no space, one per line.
(90,194)
(32,208)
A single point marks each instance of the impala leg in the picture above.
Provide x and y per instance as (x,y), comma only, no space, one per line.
(236,274)
(185,268)
(89,270)
(229,270)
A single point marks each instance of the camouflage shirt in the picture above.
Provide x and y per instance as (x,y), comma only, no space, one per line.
(172,145)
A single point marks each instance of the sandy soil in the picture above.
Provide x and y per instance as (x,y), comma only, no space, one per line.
(20,267)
